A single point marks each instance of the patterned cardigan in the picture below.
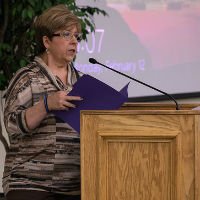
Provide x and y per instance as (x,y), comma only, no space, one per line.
(47,158)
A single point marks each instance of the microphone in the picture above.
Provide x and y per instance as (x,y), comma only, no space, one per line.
(93,61)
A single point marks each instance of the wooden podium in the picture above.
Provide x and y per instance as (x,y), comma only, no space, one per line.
(141,152)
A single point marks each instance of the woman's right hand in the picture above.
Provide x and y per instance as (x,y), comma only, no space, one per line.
(61,101)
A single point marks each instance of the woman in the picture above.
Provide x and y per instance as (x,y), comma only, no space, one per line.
(43,161)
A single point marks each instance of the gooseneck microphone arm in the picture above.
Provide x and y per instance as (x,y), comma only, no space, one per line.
(93,61)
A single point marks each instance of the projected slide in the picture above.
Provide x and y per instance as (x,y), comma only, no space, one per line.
(155,41)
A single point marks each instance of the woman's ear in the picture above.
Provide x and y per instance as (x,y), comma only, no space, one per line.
(46,42)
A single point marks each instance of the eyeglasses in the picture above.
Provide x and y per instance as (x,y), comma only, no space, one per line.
(68,35)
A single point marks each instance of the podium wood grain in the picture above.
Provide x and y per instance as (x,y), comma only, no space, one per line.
(140,154)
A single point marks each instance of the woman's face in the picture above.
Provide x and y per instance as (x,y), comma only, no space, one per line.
(63,45)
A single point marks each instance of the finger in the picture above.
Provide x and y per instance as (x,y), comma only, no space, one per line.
(68,104)
(72,98)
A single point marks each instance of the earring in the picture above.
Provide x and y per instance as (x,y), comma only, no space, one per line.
(47,50)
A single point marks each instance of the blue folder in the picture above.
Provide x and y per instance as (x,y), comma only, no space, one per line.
(96,96)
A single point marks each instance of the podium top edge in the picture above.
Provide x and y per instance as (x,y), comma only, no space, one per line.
(150,109)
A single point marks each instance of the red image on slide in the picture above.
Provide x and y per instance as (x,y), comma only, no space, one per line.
(170,34)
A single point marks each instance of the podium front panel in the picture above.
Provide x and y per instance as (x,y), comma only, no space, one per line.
(127,155)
